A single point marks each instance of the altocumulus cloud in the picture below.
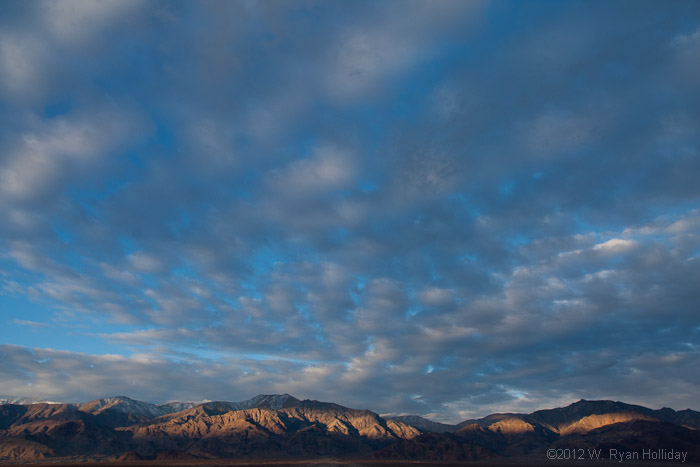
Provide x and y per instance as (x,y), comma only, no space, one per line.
(446,208)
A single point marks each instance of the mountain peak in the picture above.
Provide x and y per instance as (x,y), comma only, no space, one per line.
(123,404)
(267,396)
(120,398)
(270,401)
(25,400)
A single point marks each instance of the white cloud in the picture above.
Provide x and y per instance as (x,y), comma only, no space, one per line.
(46,156)
(118,274)
(366,56)
(687,224)
(330,168)
(686,48)
(74,21)
(212,145)
(436,296)
(615,245)
(21,65)
(33,324)
(687,40)
(27,60)
(144,262)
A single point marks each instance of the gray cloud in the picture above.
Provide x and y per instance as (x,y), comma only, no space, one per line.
(407,209)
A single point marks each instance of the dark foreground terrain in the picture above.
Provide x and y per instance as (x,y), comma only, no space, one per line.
(282,430)
(515,462)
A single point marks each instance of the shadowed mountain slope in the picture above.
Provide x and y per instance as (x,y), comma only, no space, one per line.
(283,426)
(423,424)
(637,436)
(557,419)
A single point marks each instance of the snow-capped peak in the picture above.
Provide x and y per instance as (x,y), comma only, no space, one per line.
(178,406)
(123,404)
(266,401)
(25,400)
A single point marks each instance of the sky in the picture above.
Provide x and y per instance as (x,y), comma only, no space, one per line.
(444,208)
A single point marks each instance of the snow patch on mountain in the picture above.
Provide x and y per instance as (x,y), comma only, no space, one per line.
(123,404)
(148,411)
(267,401)
(177,406)
(25,400)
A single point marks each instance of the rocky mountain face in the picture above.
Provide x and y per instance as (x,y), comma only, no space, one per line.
(557,419)
(296,427)
(423,424)
(589,425)
(283,426)
(637,436)
(119,427)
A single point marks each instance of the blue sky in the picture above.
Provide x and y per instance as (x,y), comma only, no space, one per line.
(442,208)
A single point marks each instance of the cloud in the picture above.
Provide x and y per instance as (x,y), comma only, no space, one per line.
(365,57)
(20,62)
(615,245)
(36,34)
(44,371)
(329,169)
(441,208)
(553,133)
(33,324)
(74,21)
(553,306)
(436,296)
(46,158)
(144,262)
(687,50)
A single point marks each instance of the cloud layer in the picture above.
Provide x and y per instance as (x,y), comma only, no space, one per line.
(447,210)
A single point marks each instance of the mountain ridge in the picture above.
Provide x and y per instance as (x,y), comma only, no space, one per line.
(269,425)
(263,400)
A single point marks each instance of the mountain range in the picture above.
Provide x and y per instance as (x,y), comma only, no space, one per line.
(282,426)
